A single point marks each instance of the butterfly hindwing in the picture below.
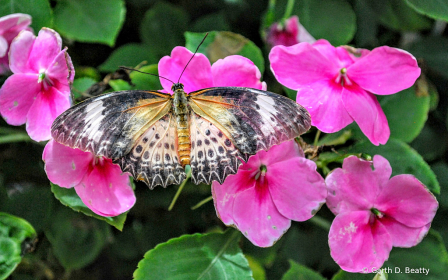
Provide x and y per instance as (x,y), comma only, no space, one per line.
(255,120)
(110,124)
(213,155)
(154,157)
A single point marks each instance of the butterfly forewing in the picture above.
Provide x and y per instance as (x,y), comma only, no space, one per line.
(253,119)
(110,124)
(154,158)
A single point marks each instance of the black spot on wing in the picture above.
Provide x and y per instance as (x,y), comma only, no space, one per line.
(212,160)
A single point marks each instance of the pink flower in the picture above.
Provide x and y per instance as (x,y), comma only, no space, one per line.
(337,87)
(233,70)
(39,89)
(99,183)
(374,213)
(269,191)
(288,33)
(10,26)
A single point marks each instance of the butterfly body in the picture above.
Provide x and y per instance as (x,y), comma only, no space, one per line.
(182,111)
(154,135)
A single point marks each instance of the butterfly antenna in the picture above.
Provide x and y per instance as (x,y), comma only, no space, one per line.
(192,56)
(132,69)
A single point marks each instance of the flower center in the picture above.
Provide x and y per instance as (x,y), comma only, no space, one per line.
(377,213)
(45,80)
(98,160)
(342,78)
(261,172)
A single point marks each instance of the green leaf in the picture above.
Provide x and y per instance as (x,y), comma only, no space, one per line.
(145,81)
(257,268)
(432,143)
(163,27)
(130,55)
(24,204)
(220,44)
(215,22)
(299,272)
(338,15)
(16,235)
(367,25)
(433,51)
(396,14)
(68,197)
(335,138)
(441,171)
(141,81)
(406,113)
(344,275)
(402,158)
(198,256)
(290,93)
(76,240)
(40,10)
(94,21)
(81,85)
(429,254)
(437,9)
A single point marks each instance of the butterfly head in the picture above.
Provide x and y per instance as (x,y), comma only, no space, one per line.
(177,86)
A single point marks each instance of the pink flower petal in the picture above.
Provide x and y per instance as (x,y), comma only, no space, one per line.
(286,35)
(367,113)
(197,76)
(339,56)
(3,46)
(385,70)
(14,22)
(382,170)
(59,72)
(408,201)
(304,35)
(298,196)
(19,52)
(300,65)
(282,152)
(224,195)
(236,71)
(106,190)
(46,47)
(17,96)
(324,103)
(353,187)
(356,245)
(46,107)
(65,166)
(256,216)
(402,235)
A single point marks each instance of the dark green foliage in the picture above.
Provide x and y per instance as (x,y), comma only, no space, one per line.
(150,242)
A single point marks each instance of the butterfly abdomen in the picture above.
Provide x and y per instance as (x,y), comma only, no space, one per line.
(182,112)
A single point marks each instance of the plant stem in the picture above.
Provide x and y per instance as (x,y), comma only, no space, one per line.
(202,202)
(288,10)
(179,190)
(18,137)
(321,222)
(316,138)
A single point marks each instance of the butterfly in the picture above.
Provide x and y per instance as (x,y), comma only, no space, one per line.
(154,135)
